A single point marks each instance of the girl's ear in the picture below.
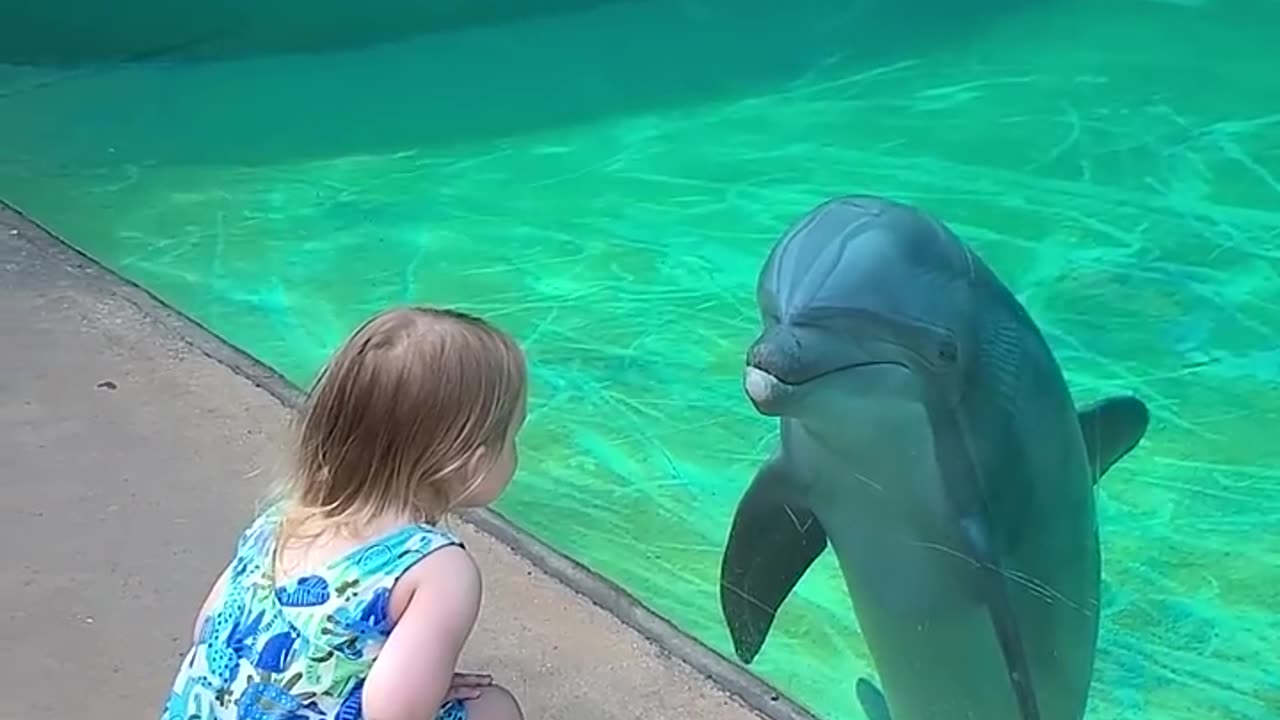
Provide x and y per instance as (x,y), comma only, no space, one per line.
(475,462)
(474,472)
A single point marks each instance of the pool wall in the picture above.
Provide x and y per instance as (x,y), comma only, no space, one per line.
(58,32)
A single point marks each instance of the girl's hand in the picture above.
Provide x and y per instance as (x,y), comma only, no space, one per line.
(467,686)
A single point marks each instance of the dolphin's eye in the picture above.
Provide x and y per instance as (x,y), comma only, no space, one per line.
(947,352)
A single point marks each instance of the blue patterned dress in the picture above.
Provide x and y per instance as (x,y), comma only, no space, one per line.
(302,650)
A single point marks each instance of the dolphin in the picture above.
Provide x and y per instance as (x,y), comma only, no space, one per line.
(928,435)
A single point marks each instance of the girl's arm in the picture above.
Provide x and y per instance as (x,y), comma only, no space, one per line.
(414,670)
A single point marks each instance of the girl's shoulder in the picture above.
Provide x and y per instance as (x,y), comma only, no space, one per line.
(447,555)
(401,550)
(448,577)
(382,556)
(261,530)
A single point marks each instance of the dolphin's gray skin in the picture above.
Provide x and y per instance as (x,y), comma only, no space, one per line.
(926,432)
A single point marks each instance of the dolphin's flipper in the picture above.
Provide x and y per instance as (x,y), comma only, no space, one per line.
(1112,427)
(771,545)
(872,701)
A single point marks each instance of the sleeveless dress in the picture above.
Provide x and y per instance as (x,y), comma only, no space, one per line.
(301,650)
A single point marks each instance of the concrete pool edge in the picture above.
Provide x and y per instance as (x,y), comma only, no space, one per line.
(751,690)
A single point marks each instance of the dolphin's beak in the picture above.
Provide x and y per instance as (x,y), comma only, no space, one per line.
(767,392)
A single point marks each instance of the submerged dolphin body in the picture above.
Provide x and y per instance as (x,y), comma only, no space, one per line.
(928,434)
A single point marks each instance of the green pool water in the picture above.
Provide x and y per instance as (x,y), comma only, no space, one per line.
(605,184)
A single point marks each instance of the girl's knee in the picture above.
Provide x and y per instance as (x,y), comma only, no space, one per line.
(495,703)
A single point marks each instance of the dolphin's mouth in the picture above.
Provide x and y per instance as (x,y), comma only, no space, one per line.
(772,395)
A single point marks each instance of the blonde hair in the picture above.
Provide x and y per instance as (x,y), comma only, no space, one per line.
(394,421)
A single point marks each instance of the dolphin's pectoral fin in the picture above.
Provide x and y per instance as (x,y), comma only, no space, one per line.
(872,701)
(1112,427)
(771,545)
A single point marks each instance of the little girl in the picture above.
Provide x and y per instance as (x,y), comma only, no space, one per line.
(344,600)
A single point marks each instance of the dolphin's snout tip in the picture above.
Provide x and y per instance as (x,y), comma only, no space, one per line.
(765,391)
